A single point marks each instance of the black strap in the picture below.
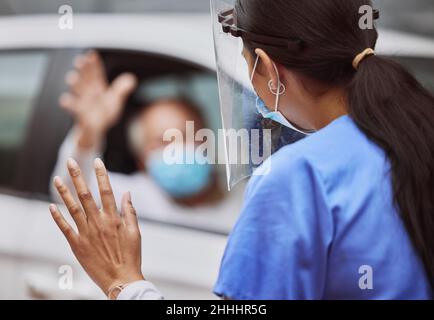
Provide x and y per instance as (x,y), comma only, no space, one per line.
(226,18)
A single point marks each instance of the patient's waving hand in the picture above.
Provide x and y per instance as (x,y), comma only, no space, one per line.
(107,244)
(95,104)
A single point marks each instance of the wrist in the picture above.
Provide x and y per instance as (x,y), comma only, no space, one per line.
(87,138)
(114,292)
(114,289)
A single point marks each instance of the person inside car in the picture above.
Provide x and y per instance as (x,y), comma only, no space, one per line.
(97,106)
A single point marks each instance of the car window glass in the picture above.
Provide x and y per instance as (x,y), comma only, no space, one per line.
(20,81)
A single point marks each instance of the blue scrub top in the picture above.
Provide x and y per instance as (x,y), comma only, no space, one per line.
(322,225)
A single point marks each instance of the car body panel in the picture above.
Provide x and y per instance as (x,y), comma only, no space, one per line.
(151,33)
(134,32)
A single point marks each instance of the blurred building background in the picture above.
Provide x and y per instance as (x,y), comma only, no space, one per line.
(104,6)
(416,16)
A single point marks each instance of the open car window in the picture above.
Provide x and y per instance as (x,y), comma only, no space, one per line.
(159,77)
(162,77)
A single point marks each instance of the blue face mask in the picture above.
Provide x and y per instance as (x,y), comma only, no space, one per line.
(275,115)
(179,180)
(281,135)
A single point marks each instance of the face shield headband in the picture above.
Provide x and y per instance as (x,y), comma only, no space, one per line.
(227,19)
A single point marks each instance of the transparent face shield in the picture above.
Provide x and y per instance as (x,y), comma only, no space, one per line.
(249,139)
(246,146)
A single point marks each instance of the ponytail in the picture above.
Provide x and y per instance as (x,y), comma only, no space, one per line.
(390,106)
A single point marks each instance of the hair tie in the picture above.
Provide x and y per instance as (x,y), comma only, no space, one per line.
(359,58)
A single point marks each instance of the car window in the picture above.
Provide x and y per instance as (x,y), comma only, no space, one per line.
(163,77)
(159,76)
(20,81)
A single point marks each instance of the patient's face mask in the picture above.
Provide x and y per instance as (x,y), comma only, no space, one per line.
(177,177)
(275,115)
(179,180)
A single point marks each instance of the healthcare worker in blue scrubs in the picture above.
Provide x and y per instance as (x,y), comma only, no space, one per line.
(345,213)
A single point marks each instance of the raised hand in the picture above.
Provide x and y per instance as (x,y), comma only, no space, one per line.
(95,104)
(107,244)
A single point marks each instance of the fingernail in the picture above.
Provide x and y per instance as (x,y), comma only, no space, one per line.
(52,208)
(99,164)
(129,196)
(57,181)
(71,163)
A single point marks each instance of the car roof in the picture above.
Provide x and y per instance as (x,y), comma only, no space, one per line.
(184,36)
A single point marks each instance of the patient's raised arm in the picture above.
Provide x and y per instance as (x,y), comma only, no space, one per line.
(96,106)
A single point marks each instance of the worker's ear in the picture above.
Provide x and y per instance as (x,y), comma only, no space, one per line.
(267,68)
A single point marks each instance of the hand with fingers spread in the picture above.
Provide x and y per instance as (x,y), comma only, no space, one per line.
(95,104)
(107,245)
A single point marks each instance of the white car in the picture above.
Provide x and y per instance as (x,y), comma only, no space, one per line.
(170,53)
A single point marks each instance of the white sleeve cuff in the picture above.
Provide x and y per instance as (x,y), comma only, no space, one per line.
(140,290)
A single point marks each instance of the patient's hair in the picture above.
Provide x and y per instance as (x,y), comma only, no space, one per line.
(188,105)
(134,134)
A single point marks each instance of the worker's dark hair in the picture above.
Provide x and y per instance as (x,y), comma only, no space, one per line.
(385,101)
